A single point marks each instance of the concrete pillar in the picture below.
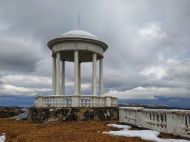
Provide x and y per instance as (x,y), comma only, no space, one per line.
(58,73)
(53,75)
(101,83)
(94,58)
(63,78)
(76,69)
(79,81)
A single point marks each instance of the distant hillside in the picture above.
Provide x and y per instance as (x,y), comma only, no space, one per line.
(125,102)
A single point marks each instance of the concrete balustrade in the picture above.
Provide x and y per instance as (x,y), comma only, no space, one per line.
(75,101)
(172,121)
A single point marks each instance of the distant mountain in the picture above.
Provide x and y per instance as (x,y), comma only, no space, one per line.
(156,104)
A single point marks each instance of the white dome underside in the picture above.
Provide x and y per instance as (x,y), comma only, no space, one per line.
(80,34)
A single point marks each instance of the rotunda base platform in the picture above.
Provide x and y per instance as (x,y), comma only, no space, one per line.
(73,114)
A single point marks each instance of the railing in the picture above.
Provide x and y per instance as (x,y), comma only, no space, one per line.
(163,120)
(75,101)
(92,102)
(156,119)
(53,101)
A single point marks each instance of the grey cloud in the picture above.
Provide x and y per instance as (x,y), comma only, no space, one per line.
(28,25)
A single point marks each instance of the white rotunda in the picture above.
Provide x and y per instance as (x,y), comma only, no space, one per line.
(79,47)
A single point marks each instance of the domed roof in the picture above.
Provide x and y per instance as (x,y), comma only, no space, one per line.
(79,34)
(75,36)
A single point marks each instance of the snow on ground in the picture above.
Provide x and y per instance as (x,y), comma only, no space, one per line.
(2,137)
(143,134)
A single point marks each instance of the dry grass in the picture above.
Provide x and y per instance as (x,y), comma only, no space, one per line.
(26,131)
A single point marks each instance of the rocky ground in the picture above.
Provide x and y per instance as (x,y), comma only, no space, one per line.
(67,131)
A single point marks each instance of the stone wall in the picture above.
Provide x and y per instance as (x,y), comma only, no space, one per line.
(73,114)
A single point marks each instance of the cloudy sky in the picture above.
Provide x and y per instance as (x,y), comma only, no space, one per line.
(148,60)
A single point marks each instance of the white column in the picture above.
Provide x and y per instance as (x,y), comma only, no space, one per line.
(63,78)
(79,81)
(53,75)
(58,74)
(101,82)
(76,69)
(94,92)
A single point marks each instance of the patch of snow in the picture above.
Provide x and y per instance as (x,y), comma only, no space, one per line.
(21,116)
(2,138)
(119,126)
(143,134)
